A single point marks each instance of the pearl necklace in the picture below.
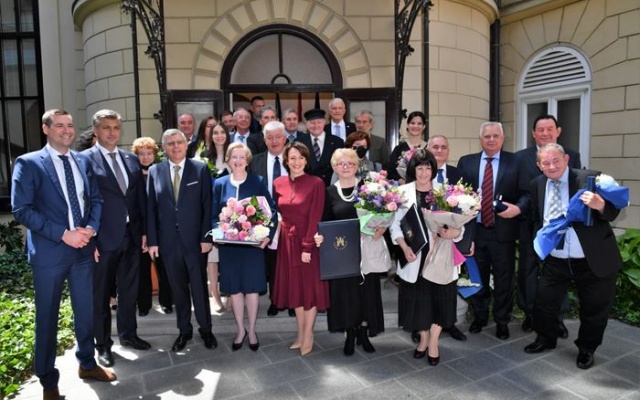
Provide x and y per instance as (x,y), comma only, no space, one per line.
(351,197)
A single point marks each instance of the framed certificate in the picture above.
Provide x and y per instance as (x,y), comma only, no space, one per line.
(340,250)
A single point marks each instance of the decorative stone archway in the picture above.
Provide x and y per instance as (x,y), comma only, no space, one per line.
(317,18)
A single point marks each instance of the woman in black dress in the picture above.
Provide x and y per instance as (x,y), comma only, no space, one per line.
(356,305)
(414,137)
(423,306)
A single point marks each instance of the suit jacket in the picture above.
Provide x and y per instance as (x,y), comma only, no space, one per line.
(322,168)
(185,223)
(350,128)
(378,150)
(255,142)
(506,184)
(529,170)
(598,241)
(117,205)
(39,204)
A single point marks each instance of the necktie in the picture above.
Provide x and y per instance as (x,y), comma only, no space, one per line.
(176,182)
(118,171)
(338,131)
(290,138)
(316,149)
(71,191)
(440,175)
(242,138)
(555,204)
(276,171)
(486,204)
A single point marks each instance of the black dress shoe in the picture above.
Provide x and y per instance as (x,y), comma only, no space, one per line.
(210,341)
(237,346)
(181,342)
(477,325)
(584,360)
(292,312)
(417,354)
(433,361)
(502,331)
(105,358)
(527,324)
(167,310)
(136,343)
(537,347)
(272,311)
(563,332)
(143,313)
(254,346)
(457,334)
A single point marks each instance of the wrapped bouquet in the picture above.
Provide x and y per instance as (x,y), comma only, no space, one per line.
(403,161)
(247,220)
(452,207)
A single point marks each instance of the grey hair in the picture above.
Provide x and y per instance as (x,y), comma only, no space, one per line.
(290,111)
(273,126)
(365,112)
(102,114)
(266,108)
(548,147)
(430,141)
(491,123)
(335,100)
(171,132)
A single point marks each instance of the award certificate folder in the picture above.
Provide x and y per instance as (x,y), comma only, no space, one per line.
(340,249)
(413,232)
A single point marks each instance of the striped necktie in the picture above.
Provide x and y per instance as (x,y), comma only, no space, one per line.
(316,149)
(486,205)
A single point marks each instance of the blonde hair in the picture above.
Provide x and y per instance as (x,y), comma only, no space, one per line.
(236,145)
(349,153)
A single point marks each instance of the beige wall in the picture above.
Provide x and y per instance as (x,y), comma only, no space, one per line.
(607,32)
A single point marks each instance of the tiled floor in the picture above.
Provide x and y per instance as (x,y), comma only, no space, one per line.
(482,367)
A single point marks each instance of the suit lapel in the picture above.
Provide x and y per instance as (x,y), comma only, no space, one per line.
(82,167)
(504,165)
(103,164)
(542,192)
(164,174)
(574,183)
(47,162)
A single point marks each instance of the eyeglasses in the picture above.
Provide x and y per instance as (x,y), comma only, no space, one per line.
(346,165)
(176,143)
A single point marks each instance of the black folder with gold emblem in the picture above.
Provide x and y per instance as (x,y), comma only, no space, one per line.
(413,232)
(340,249)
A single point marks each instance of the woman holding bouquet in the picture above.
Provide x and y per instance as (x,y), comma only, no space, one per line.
(423,306)
(215,155)
(300,198)
(242,267)
(413,138)
(356,306)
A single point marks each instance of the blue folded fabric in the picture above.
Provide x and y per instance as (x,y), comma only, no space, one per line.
(474,277)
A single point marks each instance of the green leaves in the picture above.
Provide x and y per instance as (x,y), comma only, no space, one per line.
(628,283)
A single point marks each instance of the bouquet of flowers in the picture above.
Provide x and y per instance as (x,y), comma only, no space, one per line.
(376,203)
(550,235)
(403,161)
(211,165)
(247,220)
(452,207)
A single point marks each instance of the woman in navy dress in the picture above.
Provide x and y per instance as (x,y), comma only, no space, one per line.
(242,267)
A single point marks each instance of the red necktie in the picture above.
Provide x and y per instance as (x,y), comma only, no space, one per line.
(487,217)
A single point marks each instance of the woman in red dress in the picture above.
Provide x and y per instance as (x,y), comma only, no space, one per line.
(300,199)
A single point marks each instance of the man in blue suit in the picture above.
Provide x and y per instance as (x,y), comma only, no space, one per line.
(55,195)
(119,243)
(320,144)
(495,171)
(178,220)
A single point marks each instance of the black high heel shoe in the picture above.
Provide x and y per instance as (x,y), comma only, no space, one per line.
(417,354)
(237,346)
(254,346)
(433,360)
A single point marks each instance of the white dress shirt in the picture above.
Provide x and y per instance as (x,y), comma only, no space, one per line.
(77,178)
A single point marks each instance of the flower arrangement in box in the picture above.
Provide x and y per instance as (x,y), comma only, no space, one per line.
(246,220)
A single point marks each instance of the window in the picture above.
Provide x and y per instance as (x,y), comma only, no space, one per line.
(21,104)
(557,81)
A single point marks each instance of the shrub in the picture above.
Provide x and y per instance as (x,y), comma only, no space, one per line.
(17,319)
(628,283)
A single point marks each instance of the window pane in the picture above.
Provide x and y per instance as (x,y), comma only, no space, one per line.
(200,110)
(15,130)
(534,111)
(4,173)
(7,16)
(32,116)
(26,15)
(10,68)
(29,68)
(569,119)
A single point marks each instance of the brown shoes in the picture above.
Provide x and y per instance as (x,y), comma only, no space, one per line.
(51,394)
(97,374)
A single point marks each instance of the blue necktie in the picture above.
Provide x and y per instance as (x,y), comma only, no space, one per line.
(71,191)
(316,149)
(242,138)
(276,171)
(440,176)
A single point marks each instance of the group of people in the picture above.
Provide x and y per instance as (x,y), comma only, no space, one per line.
(99,219)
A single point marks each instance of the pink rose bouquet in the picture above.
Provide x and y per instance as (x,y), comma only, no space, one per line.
(246,220)
(403,161)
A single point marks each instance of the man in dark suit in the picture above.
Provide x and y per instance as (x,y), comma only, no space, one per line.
(438,145)
(55,195)
(321,145)
(119,242)
(269,165)
(496,172)
(187,124)
(337,126)
(291,120)
(257,102)
(178,220)
(545,130)
(379,150)
(588,256)
(254,140)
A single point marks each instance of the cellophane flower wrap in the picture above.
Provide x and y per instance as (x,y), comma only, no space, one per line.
(246,220)
(211,165)
(403,161)
(451,206)
(377,201)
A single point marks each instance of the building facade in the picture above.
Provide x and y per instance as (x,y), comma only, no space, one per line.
(508,60)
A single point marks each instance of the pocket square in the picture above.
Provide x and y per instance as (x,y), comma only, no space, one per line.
(192,183)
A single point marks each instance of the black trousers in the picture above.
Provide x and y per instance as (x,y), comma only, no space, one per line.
(145,289)
(121,265)
(271,258)
(596,295)
(497,258)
